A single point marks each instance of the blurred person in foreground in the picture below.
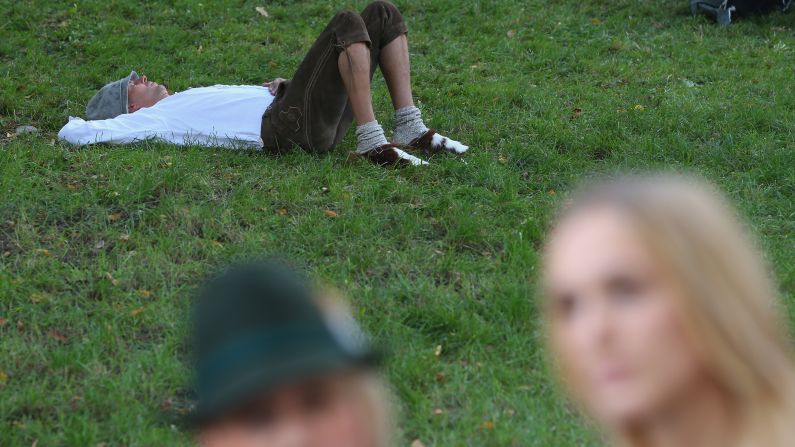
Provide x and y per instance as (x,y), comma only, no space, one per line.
(663,321)
(280,365)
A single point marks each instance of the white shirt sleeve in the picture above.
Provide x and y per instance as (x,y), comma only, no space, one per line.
(127,128)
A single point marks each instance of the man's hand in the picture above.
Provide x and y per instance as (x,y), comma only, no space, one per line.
(273,86)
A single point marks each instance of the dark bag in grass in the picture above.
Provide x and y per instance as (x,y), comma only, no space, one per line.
(723,11)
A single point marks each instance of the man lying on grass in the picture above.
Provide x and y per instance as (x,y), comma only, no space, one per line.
(313,110)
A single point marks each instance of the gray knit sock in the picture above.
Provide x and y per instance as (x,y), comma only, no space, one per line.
(408,125)
(369,136)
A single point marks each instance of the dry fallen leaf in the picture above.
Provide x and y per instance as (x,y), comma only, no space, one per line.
(440,377)
(57,335)
(262,11)
(145,293)
(595,21)
(3,376)
(330,213)
(3,321)
(487,425)
(75,402)
(417,443)
(43,252)
(282,211)
(114,217)
(124,237)
(576,113)
(112,280)
(136,312)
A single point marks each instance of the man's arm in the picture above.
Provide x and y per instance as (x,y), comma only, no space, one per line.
(123,129)
(277,86)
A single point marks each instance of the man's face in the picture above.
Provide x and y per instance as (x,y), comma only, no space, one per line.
(144,93)
(329,411)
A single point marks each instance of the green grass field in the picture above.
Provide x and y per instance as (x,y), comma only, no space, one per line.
(101,247)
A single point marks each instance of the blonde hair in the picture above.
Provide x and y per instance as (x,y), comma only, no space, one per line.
(730,305)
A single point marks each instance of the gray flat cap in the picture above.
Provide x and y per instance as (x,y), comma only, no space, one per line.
(111,100)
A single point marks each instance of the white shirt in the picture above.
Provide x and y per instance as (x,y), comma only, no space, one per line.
(222,115)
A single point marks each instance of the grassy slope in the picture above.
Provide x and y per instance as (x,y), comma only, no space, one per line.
(92,339)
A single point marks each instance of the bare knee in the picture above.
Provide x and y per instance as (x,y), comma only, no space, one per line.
(359,49)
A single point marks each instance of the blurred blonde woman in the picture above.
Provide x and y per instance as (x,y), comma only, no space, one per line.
(280,364)
(663,321)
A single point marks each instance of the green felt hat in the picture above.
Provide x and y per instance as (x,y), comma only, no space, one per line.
(111,100)
(258,327)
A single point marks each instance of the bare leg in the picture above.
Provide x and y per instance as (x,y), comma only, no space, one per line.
(389,44)
(409,128)
(397,71)
(354,66)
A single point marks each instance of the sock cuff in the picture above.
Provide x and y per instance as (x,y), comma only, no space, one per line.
(370,136)
(408,125)
(407,111)
(368,127)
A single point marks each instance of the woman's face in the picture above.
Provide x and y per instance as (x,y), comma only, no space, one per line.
(326,412)
(614,324)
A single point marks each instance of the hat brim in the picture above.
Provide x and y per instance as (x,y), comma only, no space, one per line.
(124,90)
(268,377)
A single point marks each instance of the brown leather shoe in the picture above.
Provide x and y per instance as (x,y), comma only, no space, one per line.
(388,154)
(432,142)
